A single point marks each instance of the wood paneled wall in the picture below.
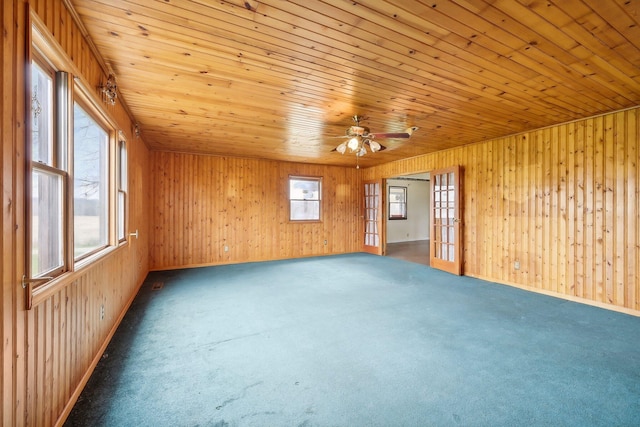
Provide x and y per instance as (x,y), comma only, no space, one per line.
(47,352)
(563,201)
(202,204)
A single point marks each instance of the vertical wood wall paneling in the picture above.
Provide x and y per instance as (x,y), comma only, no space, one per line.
(564,201)
(20,328)
(510,230)
(598,218)
(553,188)
(538,213)
(616,194)
(242,204)
(593,207)
(13,390)
(470,232)
(580,200)
(631,207)
(7,182)
(610,208)
(49,350)
(496,160)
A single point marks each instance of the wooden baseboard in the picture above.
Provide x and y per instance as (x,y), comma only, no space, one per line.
(571,298)
(214,264)
(85,378)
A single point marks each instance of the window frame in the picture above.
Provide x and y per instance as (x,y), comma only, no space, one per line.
(122,188)
(44,50)
(57,166)
(93,111)
(317,179)
(402,203)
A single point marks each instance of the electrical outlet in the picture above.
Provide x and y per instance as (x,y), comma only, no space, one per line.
(516,265)
(102,312)
(226,248)
(325,242)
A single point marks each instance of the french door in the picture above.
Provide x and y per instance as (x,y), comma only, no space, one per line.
(372,215)
(446,249)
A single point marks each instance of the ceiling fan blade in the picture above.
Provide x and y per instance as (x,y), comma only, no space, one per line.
(406,134)
(390,135)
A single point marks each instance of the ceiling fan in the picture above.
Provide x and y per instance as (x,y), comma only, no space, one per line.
(359,137)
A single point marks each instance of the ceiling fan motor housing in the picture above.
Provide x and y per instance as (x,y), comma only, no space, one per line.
(358,131)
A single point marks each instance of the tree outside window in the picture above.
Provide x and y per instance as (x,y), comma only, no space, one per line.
(91,184)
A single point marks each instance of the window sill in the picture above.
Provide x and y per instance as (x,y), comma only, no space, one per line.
(44,292)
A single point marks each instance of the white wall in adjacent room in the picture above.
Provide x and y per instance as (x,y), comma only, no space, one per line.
(416,226)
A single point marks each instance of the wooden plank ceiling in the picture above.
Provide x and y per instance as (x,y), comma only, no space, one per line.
(278,79)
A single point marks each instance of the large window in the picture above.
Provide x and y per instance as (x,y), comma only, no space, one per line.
(76,175)
(90,184)
(304,198)
(48,174)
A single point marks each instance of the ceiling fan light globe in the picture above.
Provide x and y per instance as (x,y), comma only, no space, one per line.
(353,144)
(342,148)
(374,146)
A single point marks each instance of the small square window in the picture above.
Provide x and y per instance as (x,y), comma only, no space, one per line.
(304,198)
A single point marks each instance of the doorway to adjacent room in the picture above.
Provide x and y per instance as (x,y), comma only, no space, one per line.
(407,217)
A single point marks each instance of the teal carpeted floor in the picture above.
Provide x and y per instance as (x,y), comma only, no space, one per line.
(360,340)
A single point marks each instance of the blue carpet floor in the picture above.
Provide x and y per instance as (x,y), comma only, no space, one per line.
(360,340)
